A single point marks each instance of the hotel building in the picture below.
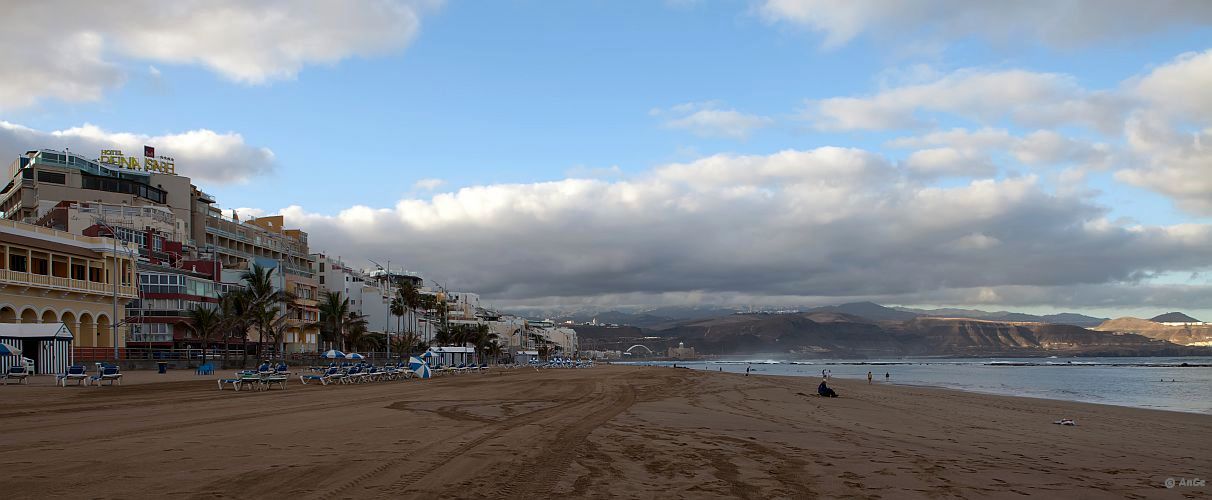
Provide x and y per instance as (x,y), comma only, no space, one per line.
(51,276)
(184,245)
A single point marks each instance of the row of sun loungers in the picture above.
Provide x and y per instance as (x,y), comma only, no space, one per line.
(75,373)
(265,377)
(356,374)
(459,369)
(561,363)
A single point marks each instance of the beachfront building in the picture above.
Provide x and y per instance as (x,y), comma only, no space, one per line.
(160,318)
(304,311)
(52,276)
(462,305)
(556,338)
(39,180)
(267,242)
(370,294)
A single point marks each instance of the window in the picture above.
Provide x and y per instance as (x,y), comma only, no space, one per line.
(52,177)
(16,263)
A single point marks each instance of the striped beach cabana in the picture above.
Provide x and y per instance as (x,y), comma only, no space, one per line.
(451,355)
(48,344)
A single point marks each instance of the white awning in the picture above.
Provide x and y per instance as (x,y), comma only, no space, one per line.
(452,350)
(35,330)
(528,353)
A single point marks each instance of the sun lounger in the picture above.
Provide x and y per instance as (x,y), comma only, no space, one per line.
(75,373)
(250,379)
(109,373)
(205,369)
(279,378)
(19,373)
(332,375)
(355,375)
(234,382)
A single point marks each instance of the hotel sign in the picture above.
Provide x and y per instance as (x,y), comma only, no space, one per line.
(150,162)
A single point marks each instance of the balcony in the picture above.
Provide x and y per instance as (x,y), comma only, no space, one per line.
(150,337)
(64,284)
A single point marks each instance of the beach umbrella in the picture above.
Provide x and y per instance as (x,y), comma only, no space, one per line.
(427,354)
(333,354)
(354,355)
(421,368)
(7,350)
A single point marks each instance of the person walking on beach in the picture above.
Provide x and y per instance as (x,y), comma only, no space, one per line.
(886,375)
(868,377)
(747,368)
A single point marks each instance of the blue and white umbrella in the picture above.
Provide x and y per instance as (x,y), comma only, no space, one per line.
(354,355)
(333,354)
(7,350)
(427,354)
(419,367)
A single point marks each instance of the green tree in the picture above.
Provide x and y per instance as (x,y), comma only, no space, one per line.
(355,327)
(482,338)
(205,321)
(264,302)
(334,314)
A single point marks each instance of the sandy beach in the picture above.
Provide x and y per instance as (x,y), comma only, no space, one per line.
(610,431)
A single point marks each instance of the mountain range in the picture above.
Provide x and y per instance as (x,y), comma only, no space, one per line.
(665,317)
(835,334)
(866,329)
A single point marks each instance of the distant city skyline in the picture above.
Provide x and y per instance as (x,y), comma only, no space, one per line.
(1031,157)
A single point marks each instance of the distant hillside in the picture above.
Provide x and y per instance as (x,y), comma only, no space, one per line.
(1059,318)
(836,334)
(1184,335)
(1174,317)
(869,310)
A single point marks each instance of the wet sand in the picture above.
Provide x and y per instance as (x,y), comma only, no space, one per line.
(610,431)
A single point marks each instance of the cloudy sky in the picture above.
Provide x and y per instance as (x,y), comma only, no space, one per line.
(1036,156)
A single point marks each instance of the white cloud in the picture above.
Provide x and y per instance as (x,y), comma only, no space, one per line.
(984,96)
(935,162)
(707,119)
(1171,137)
(828,222)
(75,51)
(1047,147)
(428,184)
(1174,163)
(204,155)
(1061,23)
(1181,88)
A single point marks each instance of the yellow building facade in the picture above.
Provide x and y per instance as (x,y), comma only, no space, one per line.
(50,276)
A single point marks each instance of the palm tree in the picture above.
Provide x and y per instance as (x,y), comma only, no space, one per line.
(493,351)
(481,337)
(355,328)
(205,321)
(398,308)
(412,300)
(234,311)
(334,313)
(263,299)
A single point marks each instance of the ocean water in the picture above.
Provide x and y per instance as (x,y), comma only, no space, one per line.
(1158,383)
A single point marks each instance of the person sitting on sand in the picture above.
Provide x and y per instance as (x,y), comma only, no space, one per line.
(825,391)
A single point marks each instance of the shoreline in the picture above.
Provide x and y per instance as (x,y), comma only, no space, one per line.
(602,432)
(1136,392)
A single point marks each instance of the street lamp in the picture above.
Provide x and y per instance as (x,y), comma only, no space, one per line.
(113,235)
